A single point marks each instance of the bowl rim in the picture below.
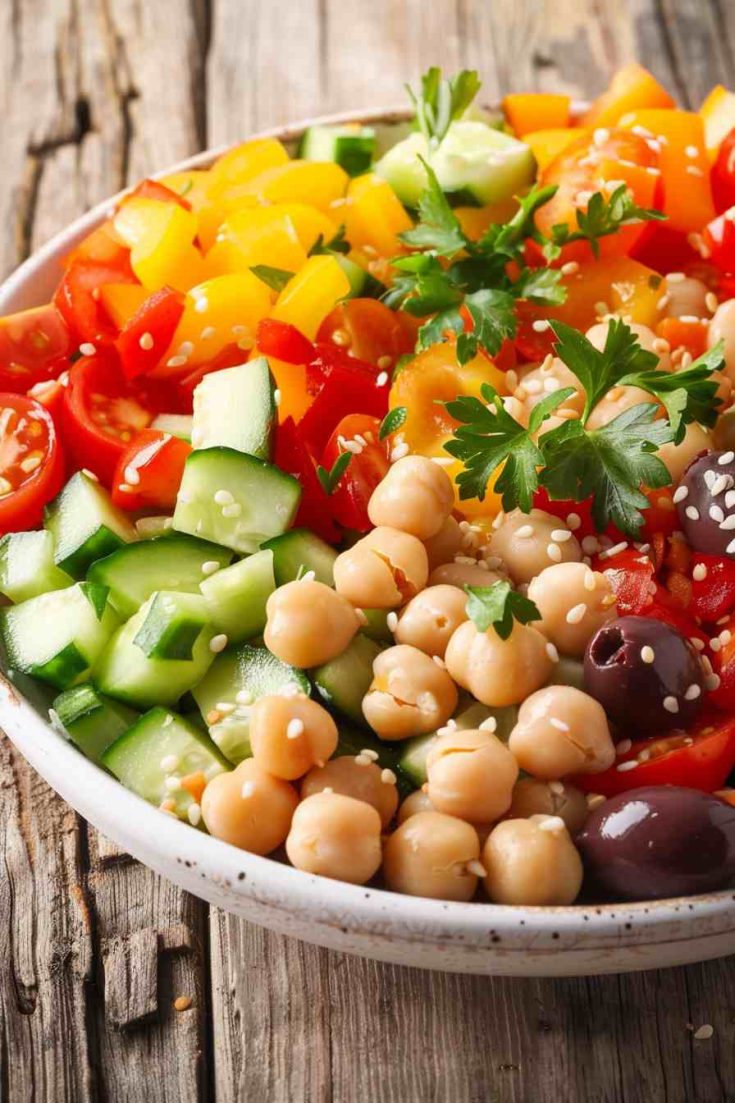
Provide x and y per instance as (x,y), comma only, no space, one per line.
(124,816)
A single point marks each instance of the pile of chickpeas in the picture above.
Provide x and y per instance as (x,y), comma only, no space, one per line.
(476,818)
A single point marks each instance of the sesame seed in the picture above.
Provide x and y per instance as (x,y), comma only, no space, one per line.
(399,451)
(176,361)
(540,325)
(722,482)
(194,814)
(663,302)
(87,348)
(439,662)
(725,458)
(660,346)
(560,536)
(382,379)
(570,268)
(169,763)
(601,308)
(295,728)
(725,637)
(716,514)
(392,621)
(244,697)
(730,549)
(573,520)
(223,498)
(207,332)
(362,759)
(225,707)
(524,532)
(172,783)
(671,704)
(594,800)
(696,643)
(146,341)
(560,725)
(692,693)
(680,494)
(277,397)
(476,867)
(576,614)
(712,682)
(388,777)
(692,513)
(248,790)
(554,552)
(553,824)
(209,566)
(589,581)
(233,510)
(308,576)
(700,572)
(623,747)
(218,643)
(489,725)
(614,550)
(623,767)
(552,652)
(711,301)
(694,170)
(648,655)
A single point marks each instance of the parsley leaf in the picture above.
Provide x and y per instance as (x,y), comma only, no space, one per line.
(497,607)
(441,101)
(599,371)
(541,285)
(336,244)
(490,437)
(392,421)
(602,216)
(422,286)
(438,227)
(329,479)
(687,395)
(610,463)
(276,278)
(493,317)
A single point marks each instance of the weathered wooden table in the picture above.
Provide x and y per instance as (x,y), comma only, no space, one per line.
(95,949)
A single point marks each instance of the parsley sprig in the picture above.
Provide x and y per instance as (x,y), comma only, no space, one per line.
(441,101)
(498,606)
(572,461)
(602,217)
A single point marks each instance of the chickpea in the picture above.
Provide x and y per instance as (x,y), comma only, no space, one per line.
(409,694)
(430,618)
(335,836)
(442,547)
(532,797)
(616,402)
(541,381)
(416,496)
(528,542)
(722,328)
(561,731)
(308,623)
(499,672)
(685,297)
(383,570)
(289,735)
(677,457)
(433,855)
(574,601)
(471,775)
(464,574)
(531,861)
(354,776)
(647,339)
(723,434)
(249,808)
(413,804)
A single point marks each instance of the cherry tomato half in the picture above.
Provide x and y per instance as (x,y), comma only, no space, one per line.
(701,758)
(77,299)
(342,385)
(148,473)
(34,346)
(101,413)
(145,338)
(315,509)
(31,462)
(284,342)
(722,176)
(349,499)
(370,331)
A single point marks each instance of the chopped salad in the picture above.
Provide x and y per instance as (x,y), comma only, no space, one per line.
(374,507)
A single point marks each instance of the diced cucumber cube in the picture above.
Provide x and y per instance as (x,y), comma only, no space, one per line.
(235,499)
(58,636)
(27,566)
(93,722)
(343,682)
(236,596)
(235,408)
(85,524)
(352,146)
(299,551)
(136,571)
(178,425)
(414,752)
(160,749)
(172,626)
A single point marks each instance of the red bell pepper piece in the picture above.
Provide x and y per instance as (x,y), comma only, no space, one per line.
(146,336)
(315,509)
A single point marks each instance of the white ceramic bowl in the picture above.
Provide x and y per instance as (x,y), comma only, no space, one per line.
(471,938)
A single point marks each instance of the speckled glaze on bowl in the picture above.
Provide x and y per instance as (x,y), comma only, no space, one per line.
(466,938)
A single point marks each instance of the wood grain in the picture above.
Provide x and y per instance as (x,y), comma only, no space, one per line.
(94,93)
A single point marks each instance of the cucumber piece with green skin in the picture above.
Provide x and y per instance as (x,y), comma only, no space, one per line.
(125,672)
(298,551)
(414,752)
(178,425)
(236,596)
(234,499)
(27,566)
(159,747)
(58,636)
(152,528)
(175,562)
(353,741)
(567,672)
(485,164)
(173,625)
(236,408)
(237,678)
(85,524)
(352,146)
(92,721)
(343,682)
(377,626)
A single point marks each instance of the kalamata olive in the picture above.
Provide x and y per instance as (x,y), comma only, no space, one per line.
(658,841)
(645,674)
(705,500)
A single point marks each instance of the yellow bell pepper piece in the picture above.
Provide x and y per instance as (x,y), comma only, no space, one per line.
(160,237)
(373,215)
(193,186)
(546,145)
(258,235)
(309,223)
(718,115)
(219,312)
(307,299)
(319,183)
(476,220)
(122,300)
(245,161)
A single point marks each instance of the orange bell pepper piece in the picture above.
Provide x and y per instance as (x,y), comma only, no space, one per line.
(718,115)
(632,88)
(548,144)
(531,111)
(683,162)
